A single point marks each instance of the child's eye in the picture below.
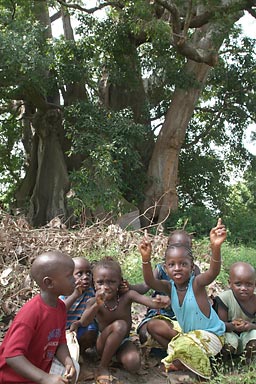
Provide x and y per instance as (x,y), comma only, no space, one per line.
(88,273)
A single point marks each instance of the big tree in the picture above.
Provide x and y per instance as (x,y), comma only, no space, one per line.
(177,46)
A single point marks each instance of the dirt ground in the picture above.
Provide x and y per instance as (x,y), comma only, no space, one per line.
(150,373)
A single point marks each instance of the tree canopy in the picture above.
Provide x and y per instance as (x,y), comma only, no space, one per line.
(145,107)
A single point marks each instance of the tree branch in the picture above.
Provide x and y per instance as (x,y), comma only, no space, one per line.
(116,4)
(56,16)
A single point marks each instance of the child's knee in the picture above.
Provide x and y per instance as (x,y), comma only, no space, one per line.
(120,326)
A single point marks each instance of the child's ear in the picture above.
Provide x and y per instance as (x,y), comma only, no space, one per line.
(47,281)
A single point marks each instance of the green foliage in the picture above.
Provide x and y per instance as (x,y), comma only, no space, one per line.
(203,182)
(198,220)
(240,213)
(112,167)
(11,155)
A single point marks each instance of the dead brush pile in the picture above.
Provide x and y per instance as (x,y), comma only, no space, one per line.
(20,244)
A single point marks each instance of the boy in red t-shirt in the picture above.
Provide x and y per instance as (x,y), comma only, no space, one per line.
(36,336)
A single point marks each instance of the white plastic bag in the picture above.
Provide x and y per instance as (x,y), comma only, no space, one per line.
(73,345)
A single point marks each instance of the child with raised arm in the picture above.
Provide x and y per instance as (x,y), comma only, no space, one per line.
(76,303)
(237,308)
(201,327)
(159,326)
(34,349)
(113,315)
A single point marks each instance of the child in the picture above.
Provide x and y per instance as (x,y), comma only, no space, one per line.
(237,308)
(201,327)
(76,303)
(159,325)
(37,334)
(113,315)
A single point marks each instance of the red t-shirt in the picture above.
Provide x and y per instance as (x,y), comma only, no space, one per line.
(36,332)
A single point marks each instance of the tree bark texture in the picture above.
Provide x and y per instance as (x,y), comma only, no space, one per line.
(52,183)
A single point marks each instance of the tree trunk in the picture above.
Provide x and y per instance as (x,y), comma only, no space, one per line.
(161,196)
(49,194)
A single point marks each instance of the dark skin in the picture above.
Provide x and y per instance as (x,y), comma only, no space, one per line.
(83,281)
(242,281)
(179,266)
(113,314)
(162,330)
(53,272)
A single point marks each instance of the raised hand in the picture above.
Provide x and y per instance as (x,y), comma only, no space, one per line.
(218,234)
(145,249)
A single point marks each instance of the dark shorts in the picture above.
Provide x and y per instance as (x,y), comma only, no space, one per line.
(82,330)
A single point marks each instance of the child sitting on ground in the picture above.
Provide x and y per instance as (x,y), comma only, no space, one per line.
(201,327)
(113,315)
(237,308)
(159,325)
(35,344)
(76,304)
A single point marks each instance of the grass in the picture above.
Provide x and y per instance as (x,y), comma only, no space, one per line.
(234,372)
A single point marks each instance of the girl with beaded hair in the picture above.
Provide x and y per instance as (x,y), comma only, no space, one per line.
(201,329)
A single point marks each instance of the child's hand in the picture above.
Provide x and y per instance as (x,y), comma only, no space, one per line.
(162,301)
(241,325)
(218,234)
(70,373)
(145,248)
(75,325)
(78,288)
(100,296)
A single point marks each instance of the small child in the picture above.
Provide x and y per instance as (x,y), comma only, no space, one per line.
(201,327)
(159,325)
(237,308)
(76,304)
(34,349)
(113,315)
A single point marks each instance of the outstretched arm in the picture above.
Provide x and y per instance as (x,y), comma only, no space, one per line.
(159,285)
(160,301)
(89,314)
(217,237)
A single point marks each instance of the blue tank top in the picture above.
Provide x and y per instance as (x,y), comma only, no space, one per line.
(190,316)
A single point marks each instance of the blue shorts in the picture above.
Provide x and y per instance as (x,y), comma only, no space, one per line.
(82,330)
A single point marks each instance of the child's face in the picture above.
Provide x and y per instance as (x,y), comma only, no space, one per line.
(178,265)
(83,273)
(107,279)
(242,282)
